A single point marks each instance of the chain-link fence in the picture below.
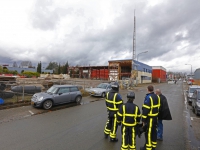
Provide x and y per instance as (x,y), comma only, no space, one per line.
(22,90)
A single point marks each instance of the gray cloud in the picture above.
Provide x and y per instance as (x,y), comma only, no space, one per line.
(155,32)
(46,18)
(160,29)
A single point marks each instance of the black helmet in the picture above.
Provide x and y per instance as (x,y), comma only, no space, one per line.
(115,86)
(131,95)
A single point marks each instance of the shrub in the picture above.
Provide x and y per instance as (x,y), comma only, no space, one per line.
(30,74)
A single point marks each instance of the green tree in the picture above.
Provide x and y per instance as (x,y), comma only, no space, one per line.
(53,66)
(1,69)
(39,67)
(30,74)
(59,69)
(65,68)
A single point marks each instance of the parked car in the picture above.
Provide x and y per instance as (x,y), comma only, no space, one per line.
(29,89)
(100,90)
(196,102)
(57,94)
(190,81)
(190,91)
(5,95)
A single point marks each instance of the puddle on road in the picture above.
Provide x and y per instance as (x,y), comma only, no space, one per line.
(83,103)
(59,107)
(99,99)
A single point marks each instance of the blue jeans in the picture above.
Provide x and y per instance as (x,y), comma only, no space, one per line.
(160,129)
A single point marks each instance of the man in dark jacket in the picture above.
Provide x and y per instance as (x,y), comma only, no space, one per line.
(150,111)
(129,116)
(113,103)
(164,114)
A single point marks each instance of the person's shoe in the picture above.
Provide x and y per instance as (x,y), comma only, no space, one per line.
(113,139)
(159,139)
(106,135)
(142,148)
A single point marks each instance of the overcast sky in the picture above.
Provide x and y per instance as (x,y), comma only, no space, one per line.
(92,32)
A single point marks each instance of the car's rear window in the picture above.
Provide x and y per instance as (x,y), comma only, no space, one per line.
(63,90)
(193,89)
(103,86)
(73,89)
(198,95)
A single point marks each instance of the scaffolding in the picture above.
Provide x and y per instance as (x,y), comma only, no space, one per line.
(119,69)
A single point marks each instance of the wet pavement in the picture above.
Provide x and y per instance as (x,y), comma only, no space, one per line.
(193,123)
(81,127)
(11,114)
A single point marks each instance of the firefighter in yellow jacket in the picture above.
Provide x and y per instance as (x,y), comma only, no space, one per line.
(129,116)
(150,111)
(113,102)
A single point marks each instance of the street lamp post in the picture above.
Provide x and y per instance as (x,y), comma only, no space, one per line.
(141,53)
(137,65)
(191,67)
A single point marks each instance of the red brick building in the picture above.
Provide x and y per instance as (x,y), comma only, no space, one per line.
(159,74)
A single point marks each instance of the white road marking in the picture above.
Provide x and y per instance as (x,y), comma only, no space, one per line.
(31,112)
(191,118)
(195,118)
(27,116)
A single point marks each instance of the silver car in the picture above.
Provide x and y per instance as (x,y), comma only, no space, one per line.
(57,94)
(100,90)
(190,92)
(196,102)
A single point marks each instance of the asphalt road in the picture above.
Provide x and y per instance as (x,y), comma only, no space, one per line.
(81,127)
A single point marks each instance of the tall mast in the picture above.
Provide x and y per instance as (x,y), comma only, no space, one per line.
(134,43)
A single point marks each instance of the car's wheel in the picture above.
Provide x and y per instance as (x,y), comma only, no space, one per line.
(47,104)
(193,109)
(196,112)
(78,99)
(103,94)
(188,100)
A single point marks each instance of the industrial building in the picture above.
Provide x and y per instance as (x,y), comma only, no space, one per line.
(159,74)
(197,74)
(144,72)
(119,69)
(25,66)
(20,70)
(116,70)
(89,72)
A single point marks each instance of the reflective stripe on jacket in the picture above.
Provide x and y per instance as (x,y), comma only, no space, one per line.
(113,101)
(129,114)
(151,106)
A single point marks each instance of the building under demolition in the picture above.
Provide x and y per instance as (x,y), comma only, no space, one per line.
(119,69)
(89,72)
(116,70)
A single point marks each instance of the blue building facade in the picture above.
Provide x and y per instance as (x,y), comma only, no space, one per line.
(144,72)
(142,67)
